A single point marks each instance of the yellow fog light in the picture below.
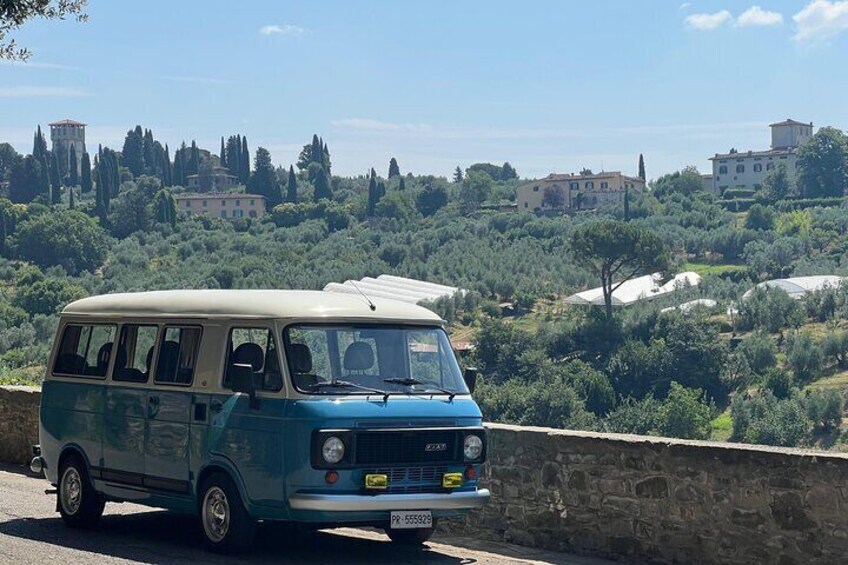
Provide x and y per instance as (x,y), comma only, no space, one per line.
(377,482)
(452,480)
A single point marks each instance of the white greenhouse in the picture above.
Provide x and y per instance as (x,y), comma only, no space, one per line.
(395,288)
(798,287)
(647,287)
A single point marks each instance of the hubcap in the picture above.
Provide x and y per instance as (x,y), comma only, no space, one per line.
(216,514)
(71,491)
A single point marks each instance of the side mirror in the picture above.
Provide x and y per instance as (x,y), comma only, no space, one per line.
(242,380)
(470,375)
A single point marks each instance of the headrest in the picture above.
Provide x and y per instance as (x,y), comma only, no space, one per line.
(103,355)
(300,358)
(249,354)
(121,358)
(358,356)
(272,362)
(169,357)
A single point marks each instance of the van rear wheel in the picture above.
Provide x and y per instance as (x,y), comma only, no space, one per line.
(79,504)
(226,524)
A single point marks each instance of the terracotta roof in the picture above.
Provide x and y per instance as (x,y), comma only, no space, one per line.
(572,176)
(66,123)
(791,123)
(743,154)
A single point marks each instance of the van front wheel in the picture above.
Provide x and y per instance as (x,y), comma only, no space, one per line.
(79,504)
(227,526)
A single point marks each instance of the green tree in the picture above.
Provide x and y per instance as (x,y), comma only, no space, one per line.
(55,180)
(244,176)
(25,180)
(475,190)
(508,172)
(85,174)
(396,205)
(321,184)
(457,175)
(431,198)
(686,182)
(642,167)
(394,170)
(66,238)
(73,170)
(616,252)
(804,356)
(684,415)
(264,178)
(291,186)
(553,197)
(759,351)
(130,213)
(223,156)
(777,185)
(823,164)
(165,208)
(760,217)
(8,159)
(133,151)
(15,13)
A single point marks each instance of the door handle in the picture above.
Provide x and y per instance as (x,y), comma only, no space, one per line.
(216,406)
(152,406)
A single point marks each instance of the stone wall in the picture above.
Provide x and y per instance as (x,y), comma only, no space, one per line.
(663,500)
(18,423)
(633,497)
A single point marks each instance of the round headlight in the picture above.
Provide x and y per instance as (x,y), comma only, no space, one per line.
(473,447)
(333,450)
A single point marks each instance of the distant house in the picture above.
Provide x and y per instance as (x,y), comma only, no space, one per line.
(219,178)
(229,206)
(748,169)
(575,192)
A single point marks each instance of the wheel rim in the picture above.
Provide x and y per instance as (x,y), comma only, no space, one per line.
(216,514)
(71,497)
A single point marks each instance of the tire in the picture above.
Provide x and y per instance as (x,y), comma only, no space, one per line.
(227,526)
(411,538)
(78,502)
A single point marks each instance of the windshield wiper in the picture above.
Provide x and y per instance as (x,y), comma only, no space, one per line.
(413,382)
(348,384)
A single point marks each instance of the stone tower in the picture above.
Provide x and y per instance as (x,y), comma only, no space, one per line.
(64,134)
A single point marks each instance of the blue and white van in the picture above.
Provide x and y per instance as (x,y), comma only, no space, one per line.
(250,405)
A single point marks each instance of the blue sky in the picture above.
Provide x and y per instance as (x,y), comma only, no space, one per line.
(549,86)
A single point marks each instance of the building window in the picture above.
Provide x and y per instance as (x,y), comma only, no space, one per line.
(223,202)
(590,185)
(223,213)
(535,189)
(238,202)
(740,168)
(238,213)
(722,170)
(252,202)
(604,185)
(188,204)
(769,166)
(204,204)
(525,205)
(758,167)
(783,158)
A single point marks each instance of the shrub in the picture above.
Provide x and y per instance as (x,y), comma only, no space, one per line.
(684,415)
(824,409)
(804,357)
(779,383)
(759,351)
(634,416)
(66,238)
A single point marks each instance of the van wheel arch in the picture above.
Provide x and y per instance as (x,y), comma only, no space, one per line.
(73,450)
(214,468)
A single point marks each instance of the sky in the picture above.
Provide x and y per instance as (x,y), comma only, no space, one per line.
(550,86)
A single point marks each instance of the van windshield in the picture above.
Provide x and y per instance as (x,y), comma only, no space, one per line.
(363,359)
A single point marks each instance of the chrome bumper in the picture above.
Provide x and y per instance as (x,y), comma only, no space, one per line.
(385,502)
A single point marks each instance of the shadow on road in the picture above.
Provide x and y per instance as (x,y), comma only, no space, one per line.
(161,537)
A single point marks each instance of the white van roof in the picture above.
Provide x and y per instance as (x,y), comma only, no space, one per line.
(210,303)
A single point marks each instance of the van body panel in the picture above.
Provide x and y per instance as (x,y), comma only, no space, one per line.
(124,429)
(166,445)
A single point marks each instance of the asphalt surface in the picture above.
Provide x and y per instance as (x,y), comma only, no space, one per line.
(31,532)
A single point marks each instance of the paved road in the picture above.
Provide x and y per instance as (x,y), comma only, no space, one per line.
(32,533)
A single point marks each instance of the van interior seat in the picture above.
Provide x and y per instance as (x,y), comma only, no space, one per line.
(273,377)
(103,355)
(249,354)
(124,373)
(70,364)
(300,361)
(169,358)
(358,357)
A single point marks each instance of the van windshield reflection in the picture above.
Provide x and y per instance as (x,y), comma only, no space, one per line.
(372,359)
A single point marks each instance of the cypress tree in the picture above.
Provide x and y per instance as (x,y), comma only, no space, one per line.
(457,175)
(291,186)
(322,186)
(641,167)
(2,232)
(245,162)
(373,195)
(626,204)
(55,193)
(133,151)
(193,165)
(394,170)
(85,174)
(39,145)
(71,204)
(264,179)
(325,157)
(167,176)
(149,153)
(317,150)
(73,172)
(401,184)
(223,153)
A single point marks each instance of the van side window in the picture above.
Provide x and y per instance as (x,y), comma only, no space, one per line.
(178,350)
(134,356)
(255,347)
(85,350)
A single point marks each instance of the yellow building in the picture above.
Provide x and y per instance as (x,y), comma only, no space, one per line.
(575,192)
(228,206)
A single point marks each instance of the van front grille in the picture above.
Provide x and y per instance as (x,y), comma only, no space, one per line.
(411,480)
(407,447)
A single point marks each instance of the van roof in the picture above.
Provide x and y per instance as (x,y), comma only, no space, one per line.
(248,304)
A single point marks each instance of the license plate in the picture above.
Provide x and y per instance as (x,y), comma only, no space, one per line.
(410,520)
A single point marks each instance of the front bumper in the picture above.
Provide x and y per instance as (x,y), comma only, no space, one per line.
(386,502)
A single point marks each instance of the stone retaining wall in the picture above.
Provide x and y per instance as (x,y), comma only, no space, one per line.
(664,500)
(18,423)
(640,498)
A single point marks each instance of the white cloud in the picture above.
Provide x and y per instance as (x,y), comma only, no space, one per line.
(706,22)
(285,29)
(756,16)
(821,20)
(41,91)
(685,5)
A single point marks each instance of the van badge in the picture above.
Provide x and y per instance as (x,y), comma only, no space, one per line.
(431,447)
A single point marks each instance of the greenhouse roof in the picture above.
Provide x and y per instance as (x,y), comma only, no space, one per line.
(642,288)
(402,289)
(797,287)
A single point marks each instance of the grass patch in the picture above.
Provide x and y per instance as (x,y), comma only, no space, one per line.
(722,427)
(29,376)
(717,269)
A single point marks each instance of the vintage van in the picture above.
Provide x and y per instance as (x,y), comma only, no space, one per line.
(242,406)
